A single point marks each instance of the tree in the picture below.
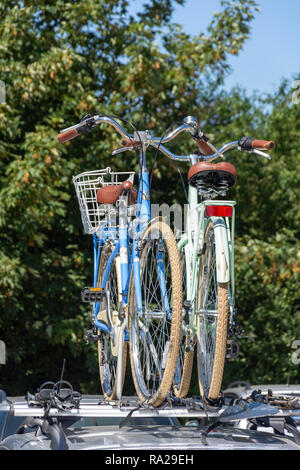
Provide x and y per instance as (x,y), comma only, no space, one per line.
(61,60)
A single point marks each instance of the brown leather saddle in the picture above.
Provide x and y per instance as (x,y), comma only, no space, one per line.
(110,194)
(212,174)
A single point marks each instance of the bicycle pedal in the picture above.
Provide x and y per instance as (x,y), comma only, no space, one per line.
(232,349)
(92,294)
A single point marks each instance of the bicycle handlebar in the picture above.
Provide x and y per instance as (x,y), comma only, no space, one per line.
(187,158)
(88,124)
(207,151)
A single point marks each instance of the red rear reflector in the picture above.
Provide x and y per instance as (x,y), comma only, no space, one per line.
(221,211)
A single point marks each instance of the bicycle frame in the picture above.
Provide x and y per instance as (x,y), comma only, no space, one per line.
(129,263)
(192,243)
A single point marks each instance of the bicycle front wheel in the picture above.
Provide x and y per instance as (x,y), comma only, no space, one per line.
(108,345)
(155,324)
(212,321)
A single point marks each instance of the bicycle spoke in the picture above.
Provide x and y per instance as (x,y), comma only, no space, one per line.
(207,321)
(108,359)
(153,331)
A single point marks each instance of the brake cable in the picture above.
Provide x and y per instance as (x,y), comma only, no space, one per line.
(156,154)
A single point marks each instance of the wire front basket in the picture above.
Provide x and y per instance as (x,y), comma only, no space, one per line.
(87,184)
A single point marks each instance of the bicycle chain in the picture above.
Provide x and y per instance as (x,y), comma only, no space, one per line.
(103,359)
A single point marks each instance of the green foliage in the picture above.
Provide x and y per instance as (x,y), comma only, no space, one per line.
(61,60)
(267,274)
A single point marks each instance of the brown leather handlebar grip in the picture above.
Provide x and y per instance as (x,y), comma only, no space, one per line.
(263,144)
(68,135)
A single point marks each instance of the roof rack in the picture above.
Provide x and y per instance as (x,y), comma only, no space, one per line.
(186,408)
(49,406)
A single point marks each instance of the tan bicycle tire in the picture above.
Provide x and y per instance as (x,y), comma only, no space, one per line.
(181,390)
(221,337)
(167,379)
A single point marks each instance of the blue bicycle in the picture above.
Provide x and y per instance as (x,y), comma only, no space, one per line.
(137,285)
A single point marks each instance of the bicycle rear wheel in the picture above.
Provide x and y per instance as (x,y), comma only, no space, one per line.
(155,331)
(212,321)
(184,366)
(107,347)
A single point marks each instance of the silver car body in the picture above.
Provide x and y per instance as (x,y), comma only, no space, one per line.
(106,426)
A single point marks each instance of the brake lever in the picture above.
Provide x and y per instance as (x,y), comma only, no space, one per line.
(123,149)
(258,152)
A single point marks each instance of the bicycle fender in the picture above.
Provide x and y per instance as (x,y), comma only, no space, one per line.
(222,252)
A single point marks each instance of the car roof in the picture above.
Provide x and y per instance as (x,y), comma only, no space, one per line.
(158,438)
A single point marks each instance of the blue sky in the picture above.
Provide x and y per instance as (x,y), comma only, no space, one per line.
(271,53)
